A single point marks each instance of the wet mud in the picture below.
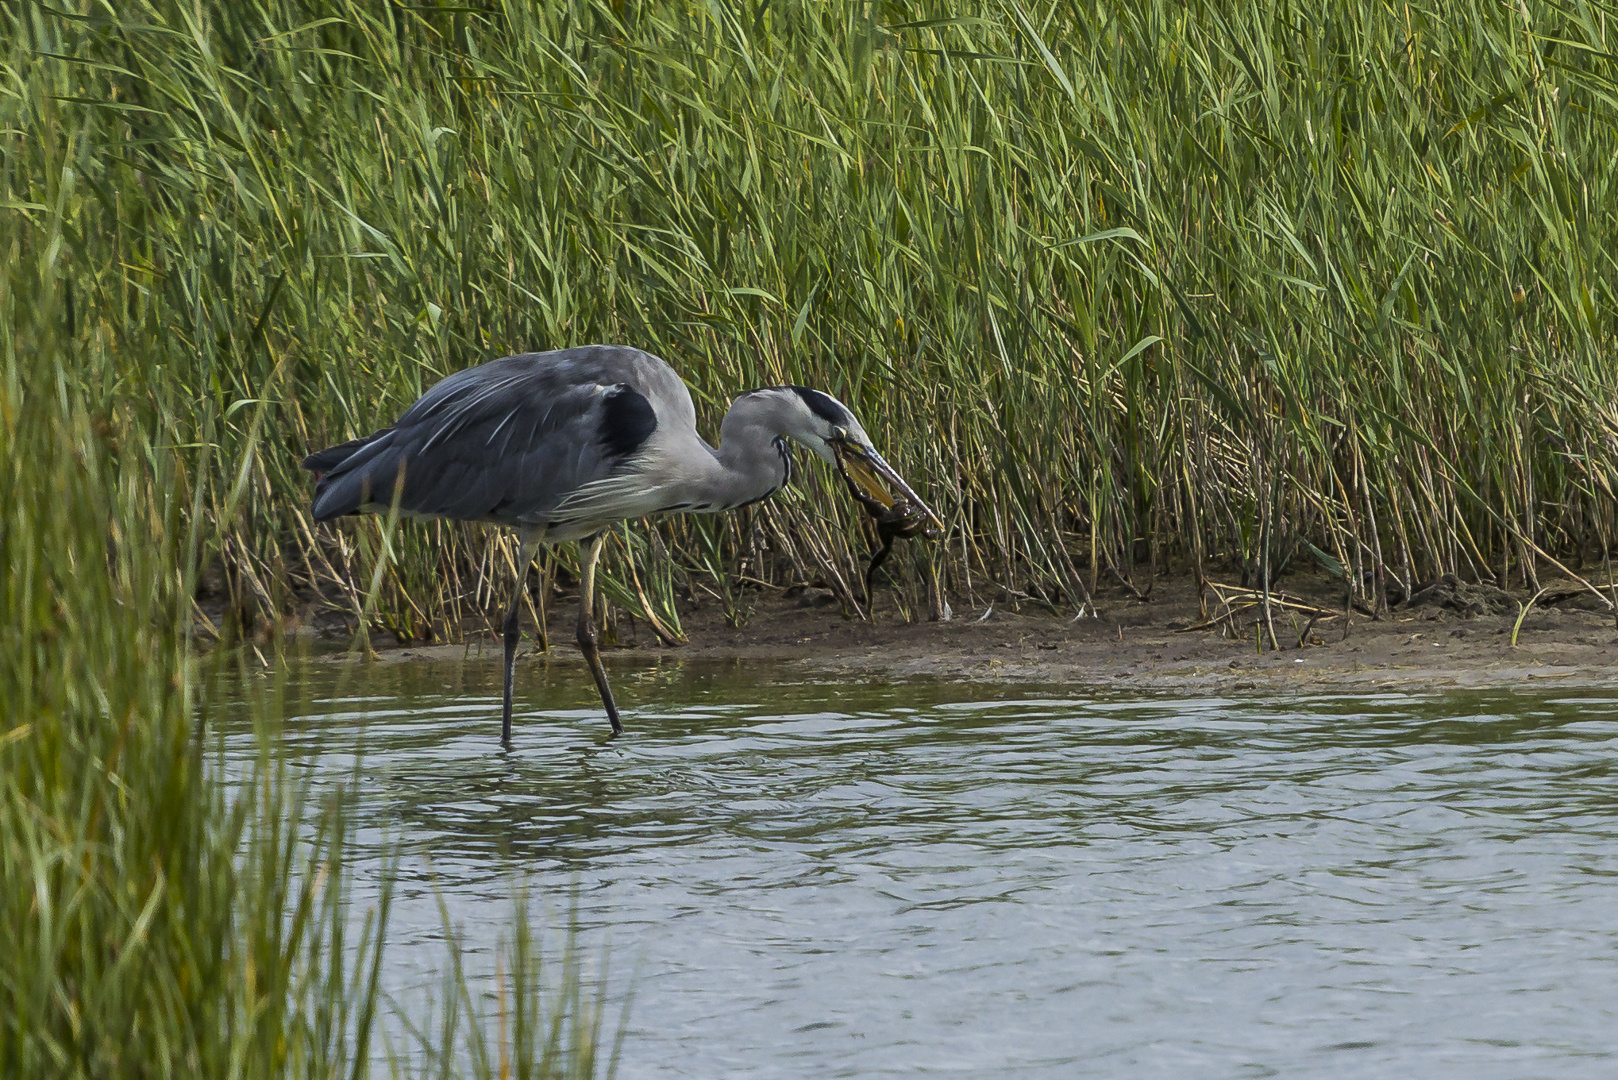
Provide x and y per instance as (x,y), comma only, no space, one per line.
(1445,635)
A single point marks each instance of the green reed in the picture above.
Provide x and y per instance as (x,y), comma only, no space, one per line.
(1127,286)
(1123,287)
(163,919)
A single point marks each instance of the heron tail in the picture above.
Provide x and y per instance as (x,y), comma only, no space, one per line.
(344,474)
(324,461)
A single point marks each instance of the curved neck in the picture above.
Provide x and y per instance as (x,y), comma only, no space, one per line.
(753,460)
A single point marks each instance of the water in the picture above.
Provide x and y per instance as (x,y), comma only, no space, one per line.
(805,878)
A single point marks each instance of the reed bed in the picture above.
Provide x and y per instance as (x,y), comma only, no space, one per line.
(1128,287)
(164,916)
(1125,286)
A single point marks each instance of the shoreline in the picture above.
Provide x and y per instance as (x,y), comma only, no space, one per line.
(1158,645)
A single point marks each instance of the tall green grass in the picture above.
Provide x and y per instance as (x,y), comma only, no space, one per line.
(1125,286)
(158,920)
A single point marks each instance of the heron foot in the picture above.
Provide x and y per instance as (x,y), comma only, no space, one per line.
(589,645)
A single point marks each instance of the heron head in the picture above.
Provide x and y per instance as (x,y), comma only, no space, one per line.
(832,432)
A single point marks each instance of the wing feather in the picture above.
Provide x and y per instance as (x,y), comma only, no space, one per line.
(517,440)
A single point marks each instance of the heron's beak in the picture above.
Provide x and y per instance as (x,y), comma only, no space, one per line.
(866,472)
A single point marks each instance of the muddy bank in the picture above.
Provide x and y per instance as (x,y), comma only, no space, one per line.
(1454,636)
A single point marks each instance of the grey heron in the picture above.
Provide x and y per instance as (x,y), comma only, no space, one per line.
(558,445)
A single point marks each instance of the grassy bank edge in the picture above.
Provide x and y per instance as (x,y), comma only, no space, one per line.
(164,918)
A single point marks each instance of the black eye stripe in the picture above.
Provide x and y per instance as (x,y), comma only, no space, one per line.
(823,406)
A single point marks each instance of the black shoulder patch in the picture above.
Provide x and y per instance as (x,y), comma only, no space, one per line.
(627,421)
(823,406)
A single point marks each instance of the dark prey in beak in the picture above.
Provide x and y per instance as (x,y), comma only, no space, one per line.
(863,471)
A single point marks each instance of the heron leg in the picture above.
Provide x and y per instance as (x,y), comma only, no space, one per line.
(530,545)
(588,642)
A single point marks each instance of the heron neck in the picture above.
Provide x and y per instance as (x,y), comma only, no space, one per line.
(754,461)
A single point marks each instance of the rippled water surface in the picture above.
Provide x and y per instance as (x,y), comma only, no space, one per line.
(807,878)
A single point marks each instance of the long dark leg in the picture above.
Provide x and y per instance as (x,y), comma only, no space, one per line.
(530,544)
(587,629)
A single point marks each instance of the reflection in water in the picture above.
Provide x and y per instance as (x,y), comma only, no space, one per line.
(807,878)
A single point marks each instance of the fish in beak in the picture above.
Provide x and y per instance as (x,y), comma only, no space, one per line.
(898,512)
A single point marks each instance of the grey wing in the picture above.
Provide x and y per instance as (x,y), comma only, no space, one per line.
(506,441)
